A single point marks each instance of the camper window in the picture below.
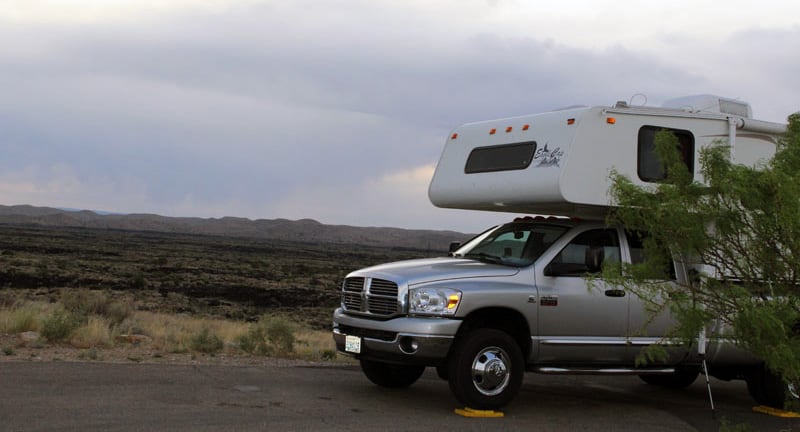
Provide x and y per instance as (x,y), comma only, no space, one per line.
(505,157)
(649,166)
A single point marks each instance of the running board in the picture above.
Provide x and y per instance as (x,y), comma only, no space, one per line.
(602,371)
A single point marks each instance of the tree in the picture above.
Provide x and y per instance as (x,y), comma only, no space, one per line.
(739,230)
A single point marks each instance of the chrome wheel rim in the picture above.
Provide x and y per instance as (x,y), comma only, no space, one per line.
(490,371)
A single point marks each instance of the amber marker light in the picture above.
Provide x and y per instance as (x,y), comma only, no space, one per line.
(492,131)
(452,301)
(526,127)
(455,135)
(611,120)
(508,129)
(571,121)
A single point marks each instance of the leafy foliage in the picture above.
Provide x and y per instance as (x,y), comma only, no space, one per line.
(738,233)
(59,325)
(206,342)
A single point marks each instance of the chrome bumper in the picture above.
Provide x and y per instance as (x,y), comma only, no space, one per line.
(403,340)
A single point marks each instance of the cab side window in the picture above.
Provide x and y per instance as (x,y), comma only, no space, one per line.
(636,245)
(586,254)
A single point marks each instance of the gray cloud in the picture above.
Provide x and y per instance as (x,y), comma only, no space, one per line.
(248,112)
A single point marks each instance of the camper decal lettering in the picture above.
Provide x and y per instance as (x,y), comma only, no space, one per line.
(547,158)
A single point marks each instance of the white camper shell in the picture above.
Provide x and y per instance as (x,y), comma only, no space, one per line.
(559,162)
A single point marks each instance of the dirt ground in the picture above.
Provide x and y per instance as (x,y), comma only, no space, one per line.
(14,349)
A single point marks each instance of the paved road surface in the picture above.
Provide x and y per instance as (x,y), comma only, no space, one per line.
(58,396)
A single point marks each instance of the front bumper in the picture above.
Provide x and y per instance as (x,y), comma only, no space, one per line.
(404,340)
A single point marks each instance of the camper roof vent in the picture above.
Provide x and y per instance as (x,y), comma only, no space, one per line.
(711,103)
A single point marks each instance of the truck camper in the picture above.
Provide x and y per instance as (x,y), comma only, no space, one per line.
(559,162)
(516,298)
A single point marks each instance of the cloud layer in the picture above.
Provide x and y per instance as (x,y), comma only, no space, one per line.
(335,111)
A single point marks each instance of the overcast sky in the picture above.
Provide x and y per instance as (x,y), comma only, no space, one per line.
(337,110)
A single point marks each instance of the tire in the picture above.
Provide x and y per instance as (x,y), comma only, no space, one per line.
(682,378)
(391,375)
(769,389)
(486,369)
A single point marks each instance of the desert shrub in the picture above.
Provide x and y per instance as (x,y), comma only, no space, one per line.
(206,342)
(269,336)
(83,302)
(139,281)
(118,311)
(96,332)
(315,345)
(89,354)
(7,298)
(254,341)
(18,320)
(59,325)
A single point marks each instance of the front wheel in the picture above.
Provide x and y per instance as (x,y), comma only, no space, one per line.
(391,375)
(486,369)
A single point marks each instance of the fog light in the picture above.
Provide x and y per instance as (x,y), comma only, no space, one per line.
(408,345)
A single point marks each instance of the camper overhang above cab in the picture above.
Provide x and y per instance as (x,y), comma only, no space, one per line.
(559,162)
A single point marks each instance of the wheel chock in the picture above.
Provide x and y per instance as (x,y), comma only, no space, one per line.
(775,412)
(469,412)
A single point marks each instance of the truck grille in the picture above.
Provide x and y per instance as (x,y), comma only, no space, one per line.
(371,296)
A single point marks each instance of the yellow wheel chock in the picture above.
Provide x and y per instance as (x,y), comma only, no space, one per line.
(469,412)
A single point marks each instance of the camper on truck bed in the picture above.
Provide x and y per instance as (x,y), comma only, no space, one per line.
(516,297)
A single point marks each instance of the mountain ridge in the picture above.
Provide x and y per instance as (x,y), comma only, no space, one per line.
(305,230)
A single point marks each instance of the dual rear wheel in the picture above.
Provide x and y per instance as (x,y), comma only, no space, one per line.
(768,388)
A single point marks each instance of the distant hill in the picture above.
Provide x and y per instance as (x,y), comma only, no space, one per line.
(305,230)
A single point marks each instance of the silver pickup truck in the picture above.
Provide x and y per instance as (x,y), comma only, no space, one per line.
(516,298)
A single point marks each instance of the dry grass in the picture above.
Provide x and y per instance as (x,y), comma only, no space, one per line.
(18,318)
(174,333)
(315,345)
(162,332)
(96,333)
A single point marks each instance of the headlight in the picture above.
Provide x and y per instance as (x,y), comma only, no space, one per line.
(433,301)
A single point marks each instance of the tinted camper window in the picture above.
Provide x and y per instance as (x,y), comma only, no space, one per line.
(648,164)
(505,157)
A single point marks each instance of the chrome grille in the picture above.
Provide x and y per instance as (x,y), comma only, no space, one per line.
(383,288)
(371,296)
(382,306)
(351,293)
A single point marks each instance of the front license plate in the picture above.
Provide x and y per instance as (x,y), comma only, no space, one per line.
(352,344)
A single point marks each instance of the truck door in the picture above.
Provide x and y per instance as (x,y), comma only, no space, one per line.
(582,321)
(644,327)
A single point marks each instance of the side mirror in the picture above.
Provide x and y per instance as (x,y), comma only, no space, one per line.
(454,246)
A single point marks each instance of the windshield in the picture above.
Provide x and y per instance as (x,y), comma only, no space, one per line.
(516,244)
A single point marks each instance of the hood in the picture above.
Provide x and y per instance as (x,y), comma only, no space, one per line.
(419,271)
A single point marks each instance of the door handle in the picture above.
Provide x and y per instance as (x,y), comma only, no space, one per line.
(615,293)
